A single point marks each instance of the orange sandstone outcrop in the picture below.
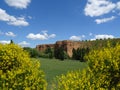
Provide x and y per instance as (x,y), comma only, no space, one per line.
(66,44)
(43,47)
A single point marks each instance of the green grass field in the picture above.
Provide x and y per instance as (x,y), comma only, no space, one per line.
(54,67)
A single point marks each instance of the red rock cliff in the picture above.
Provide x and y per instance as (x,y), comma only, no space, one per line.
(66,44)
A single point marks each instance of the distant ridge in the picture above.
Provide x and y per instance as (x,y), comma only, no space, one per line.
(68,45)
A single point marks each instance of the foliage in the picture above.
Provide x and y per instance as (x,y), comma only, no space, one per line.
(43,55)
(17,71)
(32,51)
(49,52)
(78,54)
(11,42)
(74,80)
(103,72)
(59,53)
(105,65)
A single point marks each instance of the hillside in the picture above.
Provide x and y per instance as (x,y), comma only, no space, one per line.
(68,45)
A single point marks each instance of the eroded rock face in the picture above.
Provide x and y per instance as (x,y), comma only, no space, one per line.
(66,44)
(43,47)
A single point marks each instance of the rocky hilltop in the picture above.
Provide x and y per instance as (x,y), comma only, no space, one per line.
(66,44)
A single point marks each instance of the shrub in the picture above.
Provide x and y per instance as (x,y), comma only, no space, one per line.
(32,52)
(104,64)
(59,53)
(74,80)
(49,52)
(103,72)
(78,54)
(17,71)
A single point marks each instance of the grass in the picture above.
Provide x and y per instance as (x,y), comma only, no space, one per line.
(54,67)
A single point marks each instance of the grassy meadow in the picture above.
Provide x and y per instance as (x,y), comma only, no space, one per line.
(54,67)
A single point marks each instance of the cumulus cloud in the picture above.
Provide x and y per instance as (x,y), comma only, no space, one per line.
(103,20)
(103,36)
(4,42)
(43,36)
(90,34)
(11,20)
(76,38)
(11,34)
(18,3)
(96,8)
(24,43)
(118,5)
(52,36)
(36,36)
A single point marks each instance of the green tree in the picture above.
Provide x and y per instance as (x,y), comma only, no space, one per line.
(11,42)
(32,51)
(50,52)
(79,53)
(59,53)
(74,53)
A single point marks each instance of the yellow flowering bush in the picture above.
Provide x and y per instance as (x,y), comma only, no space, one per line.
(103,72)
(104,64)
(74,80)
(17,71)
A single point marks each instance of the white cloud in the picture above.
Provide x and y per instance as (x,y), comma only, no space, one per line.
(103,20)
(11,20)
(103,36)
(92,39)
(4,42)
(83,36)
(90,34)
(18,3)
(98,7)
(77,38)
(36,36)
(20,21)
(30,17)
(11,34)
(39,36)
(24,43)
(52,36)
(118,5)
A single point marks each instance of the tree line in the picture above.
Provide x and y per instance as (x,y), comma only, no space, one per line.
(77,54)
(58,53)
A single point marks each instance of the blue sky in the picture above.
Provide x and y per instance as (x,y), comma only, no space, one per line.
(33,22)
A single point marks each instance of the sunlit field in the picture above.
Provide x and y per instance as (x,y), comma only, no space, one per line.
(54,67)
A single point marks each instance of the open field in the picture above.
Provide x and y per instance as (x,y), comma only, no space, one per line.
(53,67)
